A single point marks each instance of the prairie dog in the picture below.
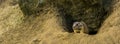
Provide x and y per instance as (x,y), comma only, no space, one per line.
(80,27)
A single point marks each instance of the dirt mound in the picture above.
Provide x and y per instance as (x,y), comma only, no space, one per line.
(49,28)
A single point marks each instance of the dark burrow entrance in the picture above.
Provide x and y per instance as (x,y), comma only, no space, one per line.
(92,30)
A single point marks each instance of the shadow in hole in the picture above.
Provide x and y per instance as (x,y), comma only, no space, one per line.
(68,19)
(107,10)
(92,31)
(69,23)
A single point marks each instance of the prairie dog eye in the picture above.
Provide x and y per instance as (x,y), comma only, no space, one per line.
(77,25)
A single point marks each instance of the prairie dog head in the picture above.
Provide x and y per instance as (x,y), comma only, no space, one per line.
(80,27)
